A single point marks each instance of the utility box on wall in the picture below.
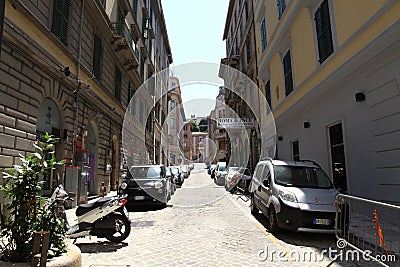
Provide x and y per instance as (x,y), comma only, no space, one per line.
(71,183)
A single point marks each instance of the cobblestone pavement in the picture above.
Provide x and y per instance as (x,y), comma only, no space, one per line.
(205,226)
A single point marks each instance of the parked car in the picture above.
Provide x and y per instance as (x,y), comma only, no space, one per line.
(238,179)
(228,178)
(245,178)
(170,176)
(146,184)
(191,166)
(294,195)
(220,173)
(185,171)
(211,169)
(178,177)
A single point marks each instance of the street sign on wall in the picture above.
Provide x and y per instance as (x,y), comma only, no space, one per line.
(235,122)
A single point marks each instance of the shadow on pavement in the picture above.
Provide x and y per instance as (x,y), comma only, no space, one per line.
(101,246)
(297,238)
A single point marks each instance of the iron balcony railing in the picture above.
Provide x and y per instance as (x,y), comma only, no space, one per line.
(120,29)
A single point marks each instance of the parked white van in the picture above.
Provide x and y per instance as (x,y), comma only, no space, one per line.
(294,195)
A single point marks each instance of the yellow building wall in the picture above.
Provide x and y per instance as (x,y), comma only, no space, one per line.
(387,19)
(276,82)
(351,15)
(303,51)
(271,18)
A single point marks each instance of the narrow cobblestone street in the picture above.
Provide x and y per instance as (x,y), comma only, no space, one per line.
(205,226)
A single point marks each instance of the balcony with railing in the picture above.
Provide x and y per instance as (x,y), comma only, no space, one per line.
(124,40)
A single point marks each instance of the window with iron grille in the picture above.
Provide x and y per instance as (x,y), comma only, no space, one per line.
(118,84)
(60,19)
(263,32)
(97,56)
(134,7)
(281,7)
(268,94)
(324,32)
(287,70)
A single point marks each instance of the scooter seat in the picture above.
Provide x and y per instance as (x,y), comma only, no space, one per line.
(84,208)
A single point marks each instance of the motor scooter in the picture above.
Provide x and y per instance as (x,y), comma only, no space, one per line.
(107,217)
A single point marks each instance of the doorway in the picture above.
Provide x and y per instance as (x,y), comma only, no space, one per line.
(338,159)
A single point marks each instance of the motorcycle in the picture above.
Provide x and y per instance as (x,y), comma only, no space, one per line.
(107,217)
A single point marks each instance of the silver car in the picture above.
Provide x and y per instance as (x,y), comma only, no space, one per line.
(294,195)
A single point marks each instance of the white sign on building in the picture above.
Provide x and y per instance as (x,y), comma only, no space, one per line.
(235,122)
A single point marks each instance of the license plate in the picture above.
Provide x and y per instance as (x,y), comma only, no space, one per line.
(138,198)
(322,221)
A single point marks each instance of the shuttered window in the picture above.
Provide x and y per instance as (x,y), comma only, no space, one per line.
(324,32)
(268,94)
(97,56)
(287,70)
(263,32)
(60,20)
(118,84)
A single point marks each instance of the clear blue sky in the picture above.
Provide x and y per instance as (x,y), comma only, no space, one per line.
(195,29)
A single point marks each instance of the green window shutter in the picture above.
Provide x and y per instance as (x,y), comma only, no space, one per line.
(97,57)
(268,94)
(324,32)
(287,69)
(60,19)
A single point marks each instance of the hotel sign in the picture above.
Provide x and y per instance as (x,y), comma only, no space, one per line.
(235,122)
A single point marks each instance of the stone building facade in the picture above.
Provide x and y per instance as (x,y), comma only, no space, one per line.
(70,67)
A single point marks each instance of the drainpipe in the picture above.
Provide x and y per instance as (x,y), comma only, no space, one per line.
(76,91)
(258,91)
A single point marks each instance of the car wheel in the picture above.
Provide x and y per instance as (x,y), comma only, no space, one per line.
(273,224)
(253,208)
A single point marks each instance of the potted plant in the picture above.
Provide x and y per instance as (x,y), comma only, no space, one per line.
(29,212)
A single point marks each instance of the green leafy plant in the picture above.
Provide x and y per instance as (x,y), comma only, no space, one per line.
(29,212)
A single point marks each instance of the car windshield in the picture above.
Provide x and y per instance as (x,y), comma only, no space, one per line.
(174,170)
(144,172)
(300,176)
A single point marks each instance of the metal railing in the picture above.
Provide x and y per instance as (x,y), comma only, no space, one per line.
(120,29)
(368,227)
